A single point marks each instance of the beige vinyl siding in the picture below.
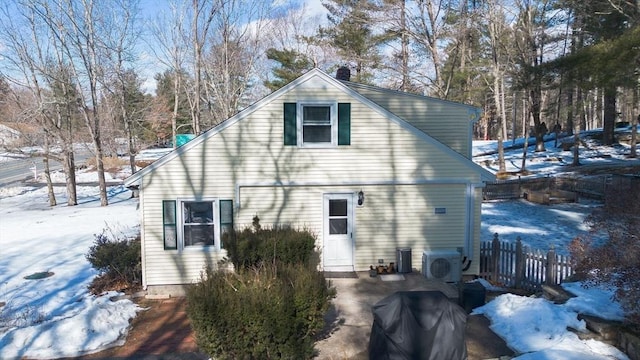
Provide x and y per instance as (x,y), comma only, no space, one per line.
(296,206)
(447,122)
(250,152)
(404,216)
(392,216)
(171,266)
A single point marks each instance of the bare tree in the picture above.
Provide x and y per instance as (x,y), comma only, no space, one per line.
(121,81)
(497,30)
(203,13)
(531,42)
(125,105)
(294,29)
(236,45)
(393,17)
(31,50)
(428,29)
(80,28)
(170,37)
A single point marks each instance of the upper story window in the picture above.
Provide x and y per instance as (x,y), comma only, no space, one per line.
(318,124)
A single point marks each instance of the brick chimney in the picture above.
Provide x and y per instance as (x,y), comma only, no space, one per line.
(343,73)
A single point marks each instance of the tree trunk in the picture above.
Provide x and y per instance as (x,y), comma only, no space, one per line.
(570,112)
(197,71)
(576,129)
(503,107)
(128,129)
(634,121)
(47,173)
(174,114)
(525,127)
(535,97)
(609,116)
(499,112)
(102,183)
(69,167)
(525,147)
(68,160)
(404,40)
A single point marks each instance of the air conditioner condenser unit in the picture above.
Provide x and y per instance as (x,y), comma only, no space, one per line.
(444,265)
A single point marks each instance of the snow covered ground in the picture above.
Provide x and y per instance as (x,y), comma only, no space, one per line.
(534,327)
(56,316)
(538,226)
(538,328)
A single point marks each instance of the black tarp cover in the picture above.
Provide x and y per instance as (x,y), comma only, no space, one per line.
(418,325)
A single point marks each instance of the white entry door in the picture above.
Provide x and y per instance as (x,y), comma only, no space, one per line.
(337,253)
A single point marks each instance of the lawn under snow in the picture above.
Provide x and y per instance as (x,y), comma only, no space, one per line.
(534,327)
(56,316)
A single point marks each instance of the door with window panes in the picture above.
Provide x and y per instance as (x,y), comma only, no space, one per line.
(337,250)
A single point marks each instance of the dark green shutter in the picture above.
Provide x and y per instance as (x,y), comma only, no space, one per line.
(226,220)
(169,230)
(344,124)
(290,120)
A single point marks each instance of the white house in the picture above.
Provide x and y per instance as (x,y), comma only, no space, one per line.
(367,169)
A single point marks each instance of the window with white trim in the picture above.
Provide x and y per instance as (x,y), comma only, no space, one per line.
(317,123)
(198,225)
(193,224)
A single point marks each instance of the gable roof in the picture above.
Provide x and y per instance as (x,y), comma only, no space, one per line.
(485,175)
(473,111)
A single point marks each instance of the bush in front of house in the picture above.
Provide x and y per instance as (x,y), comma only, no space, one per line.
(252,246)
(272,311)
(118,260)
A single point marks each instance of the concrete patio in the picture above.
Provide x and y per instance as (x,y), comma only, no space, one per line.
(350,317)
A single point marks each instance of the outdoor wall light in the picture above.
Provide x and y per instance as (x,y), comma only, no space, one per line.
(360,198)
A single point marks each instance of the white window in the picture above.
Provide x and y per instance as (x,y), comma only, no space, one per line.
(196,224)
(317,124)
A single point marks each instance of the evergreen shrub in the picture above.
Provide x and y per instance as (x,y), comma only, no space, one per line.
(118,259)
(268,312)
(250,247)
(272,306)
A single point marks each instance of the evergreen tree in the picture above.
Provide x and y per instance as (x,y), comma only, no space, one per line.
(126,102)
(292,65)
(353,36)
(609,30)
(165,91)
(468,53)
(531,41)
(393,17)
